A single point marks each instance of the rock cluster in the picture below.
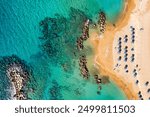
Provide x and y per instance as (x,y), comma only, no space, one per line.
(102,21)
(84,36)
(18,78)
(83,67)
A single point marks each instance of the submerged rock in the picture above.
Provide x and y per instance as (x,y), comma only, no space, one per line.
(59,35)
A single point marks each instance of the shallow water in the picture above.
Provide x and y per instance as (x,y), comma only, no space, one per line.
(19,35)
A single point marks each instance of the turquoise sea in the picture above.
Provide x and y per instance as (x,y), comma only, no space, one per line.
(43,33)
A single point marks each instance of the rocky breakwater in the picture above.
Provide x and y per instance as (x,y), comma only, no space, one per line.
(102,22)
(82,60)
(18,78)
(17,73)
(84,36)
(83,67)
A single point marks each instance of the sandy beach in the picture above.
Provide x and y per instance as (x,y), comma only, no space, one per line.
(128,67)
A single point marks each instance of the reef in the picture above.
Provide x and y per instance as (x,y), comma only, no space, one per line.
(63,38)
(55,91)
(59,35)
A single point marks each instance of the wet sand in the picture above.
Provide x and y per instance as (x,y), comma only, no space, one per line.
(104,55)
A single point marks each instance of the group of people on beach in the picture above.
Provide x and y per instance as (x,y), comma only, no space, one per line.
(124,55)
(148,91)
(132,34)
(126,51)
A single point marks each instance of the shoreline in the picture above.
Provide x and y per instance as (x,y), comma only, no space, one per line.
(103,49)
